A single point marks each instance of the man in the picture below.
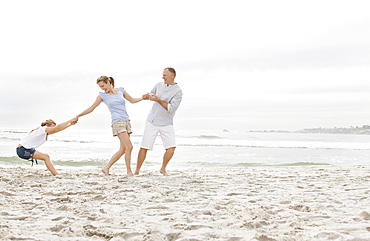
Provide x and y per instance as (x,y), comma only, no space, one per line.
(167,97)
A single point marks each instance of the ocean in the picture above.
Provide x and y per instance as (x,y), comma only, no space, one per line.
(78,148)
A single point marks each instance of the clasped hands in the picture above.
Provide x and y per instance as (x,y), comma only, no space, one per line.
(74,121)
(151,97)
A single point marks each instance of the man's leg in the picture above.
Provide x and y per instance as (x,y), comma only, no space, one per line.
(140,160)
(166,159)
(147,143)
(169,142)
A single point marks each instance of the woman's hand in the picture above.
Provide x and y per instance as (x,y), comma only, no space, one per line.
(146,96)
(74,121)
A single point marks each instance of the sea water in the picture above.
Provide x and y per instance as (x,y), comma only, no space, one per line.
(80,148)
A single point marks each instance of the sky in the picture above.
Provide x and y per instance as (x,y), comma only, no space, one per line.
(242,65)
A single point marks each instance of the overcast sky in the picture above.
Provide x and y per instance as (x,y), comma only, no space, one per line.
(242,65)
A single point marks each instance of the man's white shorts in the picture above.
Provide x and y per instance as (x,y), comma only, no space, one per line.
(151,131)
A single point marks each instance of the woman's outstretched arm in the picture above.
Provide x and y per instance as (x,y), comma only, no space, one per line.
(91,108)
(131,99)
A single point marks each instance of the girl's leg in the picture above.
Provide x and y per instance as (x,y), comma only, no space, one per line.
(45,157)
(125,148)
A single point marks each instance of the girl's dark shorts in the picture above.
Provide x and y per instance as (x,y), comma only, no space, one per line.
(25,153)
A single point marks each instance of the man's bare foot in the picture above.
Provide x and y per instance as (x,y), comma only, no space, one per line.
(105,171)
(163,171)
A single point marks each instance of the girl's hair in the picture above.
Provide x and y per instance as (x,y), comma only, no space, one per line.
(48,123)
(105,79)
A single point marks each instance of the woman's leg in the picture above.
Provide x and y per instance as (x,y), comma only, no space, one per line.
(45,157)
(125,140)
(125,148)
(114,159)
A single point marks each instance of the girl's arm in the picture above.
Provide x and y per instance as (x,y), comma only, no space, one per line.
(132,100)
(60,127)
(91,108)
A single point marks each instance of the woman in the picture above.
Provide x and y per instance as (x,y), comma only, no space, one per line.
(114,99)
(26,148)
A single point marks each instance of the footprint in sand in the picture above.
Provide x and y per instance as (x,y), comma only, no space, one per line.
(20,218)
(6,193)
(57,228)
(57,218)
(99,198)
(62,199)
(172,236)
(157,207)
(329,235)
(300,208)
(365,215)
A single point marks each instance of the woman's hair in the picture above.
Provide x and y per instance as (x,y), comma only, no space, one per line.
(48,123)
(105,79)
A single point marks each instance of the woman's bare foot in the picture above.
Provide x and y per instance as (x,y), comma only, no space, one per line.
(105,171)
(129,174)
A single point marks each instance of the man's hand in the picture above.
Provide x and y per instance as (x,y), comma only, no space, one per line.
(153,97)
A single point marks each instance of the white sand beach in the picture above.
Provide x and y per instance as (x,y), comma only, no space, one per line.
(255,203)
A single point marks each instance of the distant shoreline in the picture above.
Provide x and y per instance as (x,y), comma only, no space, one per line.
(363,130)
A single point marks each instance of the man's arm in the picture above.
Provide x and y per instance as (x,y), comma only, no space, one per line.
(155,98)
(174,102)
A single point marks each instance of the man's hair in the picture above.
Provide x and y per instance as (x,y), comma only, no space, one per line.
(172,70)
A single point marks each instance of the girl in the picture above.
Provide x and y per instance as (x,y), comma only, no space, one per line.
(26,148)
(114,99)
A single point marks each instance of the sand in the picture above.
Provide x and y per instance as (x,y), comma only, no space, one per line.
(255,203)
